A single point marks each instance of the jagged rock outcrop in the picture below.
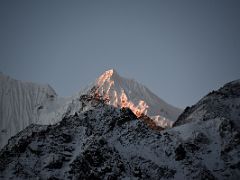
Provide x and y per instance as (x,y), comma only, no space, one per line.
(224,103)
(23,103)
(123,92)
(100,141)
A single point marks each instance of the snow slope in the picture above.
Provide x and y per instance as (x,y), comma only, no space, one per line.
(124,92)
(101,141)
(224,102)
(23,103)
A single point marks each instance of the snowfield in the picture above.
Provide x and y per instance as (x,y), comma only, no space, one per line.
(98,140)
(24,103)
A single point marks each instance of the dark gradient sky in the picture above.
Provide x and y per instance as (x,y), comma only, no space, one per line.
(180,50)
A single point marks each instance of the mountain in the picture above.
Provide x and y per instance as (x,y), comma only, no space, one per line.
(123,92)
(225,103)
(101,141)
(24,103)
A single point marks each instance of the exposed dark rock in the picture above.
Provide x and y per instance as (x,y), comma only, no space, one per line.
(180,153)
(35,151)
(97,155)
(200,138)
(66,138)
(214,104)
(103,142)
(225,127)
(151,124)
(235,166)
(55,164)
(205,174)
(182,117)
(191,147)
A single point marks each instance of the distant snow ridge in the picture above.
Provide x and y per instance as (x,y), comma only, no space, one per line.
(101,141)
(23,103)
(123,92)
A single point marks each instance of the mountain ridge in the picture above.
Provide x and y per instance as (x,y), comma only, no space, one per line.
(21,99)
(32,103)
(101,141)
(124,92)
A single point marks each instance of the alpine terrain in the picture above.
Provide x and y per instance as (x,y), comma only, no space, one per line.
(108,131)
(24,103)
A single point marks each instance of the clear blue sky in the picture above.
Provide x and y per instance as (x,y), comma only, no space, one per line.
(180,50)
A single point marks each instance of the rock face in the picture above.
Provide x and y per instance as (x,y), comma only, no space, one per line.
(91,144)
(101,141)
(123,92)
(23,103)
(224,103)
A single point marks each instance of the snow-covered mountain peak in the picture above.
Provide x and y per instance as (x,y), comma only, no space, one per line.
(107,76)
(100,141)
(10,82)
(23,103)
(122,92)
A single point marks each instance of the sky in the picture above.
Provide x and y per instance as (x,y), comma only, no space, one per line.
(180,50)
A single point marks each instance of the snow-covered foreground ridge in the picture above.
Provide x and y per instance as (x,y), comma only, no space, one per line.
(100,141)
(24,103)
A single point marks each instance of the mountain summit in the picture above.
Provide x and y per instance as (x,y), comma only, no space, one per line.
(24,103)
(122,92)
(100,141)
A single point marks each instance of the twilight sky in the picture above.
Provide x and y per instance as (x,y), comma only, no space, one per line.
(180,50)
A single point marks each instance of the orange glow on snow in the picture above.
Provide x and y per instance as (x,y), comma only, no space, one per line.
(105,83)
(138,110)
(105,76)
